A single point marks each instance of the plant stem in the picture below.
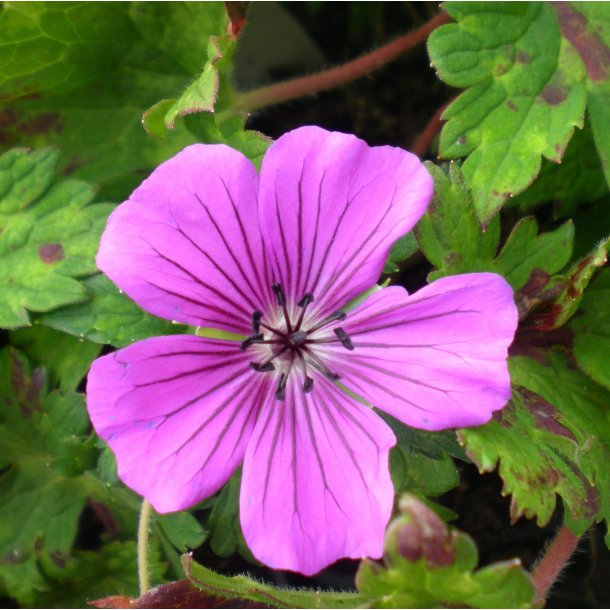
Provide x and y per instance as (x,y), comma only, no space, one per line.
(335,77)
(554,560)
(424,140)
(143,547)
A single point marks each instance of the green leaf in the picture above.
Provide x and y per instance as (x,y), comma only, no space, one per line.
(200,95)
(553,439)
(212,129)
(599,94)
(224,519)
(533,459)
(182,530)
(578,179)
(43,452)
(206,106)
(90,575)
(401,250)
(153,120)
(452,240)
(526,251)
(582,409)
(67,358)
(587,26)
(422,461)
(244,587)
(99,122)
(551,302)
(46,47)
(415,472)
(108,317)
(181,30)
(49,236)
(427,565)
(448,233)
(526,94)
(591,330)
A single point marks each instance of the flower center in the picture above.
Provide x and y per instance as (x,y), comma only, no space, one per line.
(291,342)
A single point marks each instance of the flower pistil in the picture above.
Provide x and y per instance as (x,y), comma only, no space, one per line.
(292,341)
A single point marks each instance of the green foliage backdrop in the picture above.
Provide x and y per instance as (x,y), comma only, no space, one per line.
(94,95)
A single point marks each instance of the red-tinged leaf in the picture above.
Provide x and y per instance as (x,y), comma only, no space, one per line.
(179,594)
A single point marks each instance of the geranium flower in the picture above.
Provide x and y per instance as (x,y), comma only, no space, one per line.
(276,258)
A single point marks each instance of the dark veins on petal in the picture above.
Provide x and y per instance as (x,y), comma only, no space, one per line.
(291,344)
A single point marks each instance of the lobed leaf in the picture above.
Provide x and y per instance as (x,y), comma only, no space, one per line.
(201,94)
(586,25)
(66,358)
(526,92)
(92,574)
(97,120)
(553,439)
(531,451)
(223,522)
(427,565)
(48,237)
(42,455)
(452,239)
(108,316)
(578,179)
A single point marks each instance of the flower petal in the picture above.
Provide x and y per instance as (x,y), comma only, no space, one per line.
(316,485)
(186,245)
(330,209)
(436,359)
(177,411)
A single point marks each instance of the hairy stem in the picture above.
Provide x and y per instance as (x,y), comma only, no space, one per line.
(553,561)
(143,547)
(335,77)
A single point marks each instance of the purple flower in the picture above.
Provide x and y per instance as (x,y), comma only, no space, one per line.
(276,258)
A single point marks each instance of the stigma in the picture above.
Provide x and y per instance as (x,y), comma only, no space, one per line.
(292,343)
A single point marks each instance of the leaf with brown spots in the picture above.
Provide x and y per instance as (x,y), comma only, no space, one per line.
(578,179)
(526,93)
(48,236)
(551,303)
(179,594)
(587,26)
(553,439)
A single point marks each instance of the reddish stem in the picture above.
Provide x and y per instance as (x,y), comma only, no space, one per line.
(554,560)
(335,77)
(424,140)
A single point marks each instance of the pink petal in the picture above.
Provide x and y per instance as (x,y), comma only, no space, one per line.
(186,245)
(436,359)
(330,209)
(177,411)
(316,485)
